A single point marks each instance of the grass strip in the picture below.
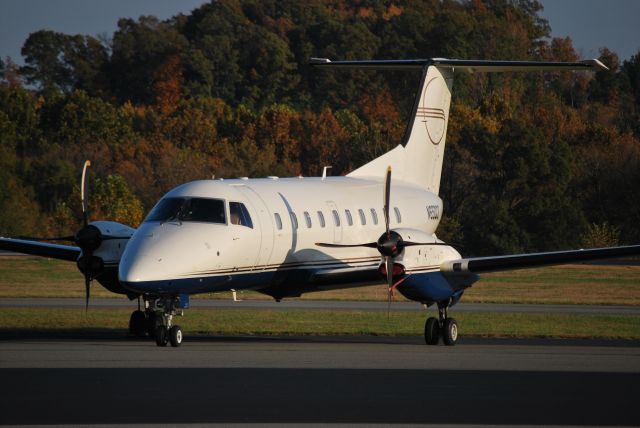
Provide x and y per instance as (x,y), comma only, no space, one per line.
(15,321)
(572,284)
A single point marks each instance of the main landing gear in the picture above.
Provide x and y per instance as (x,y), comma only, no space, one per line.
(156,321)
(442,326)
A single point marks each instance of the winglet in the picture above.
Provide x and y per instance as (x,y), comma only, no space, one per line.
(319,61)
(595,63)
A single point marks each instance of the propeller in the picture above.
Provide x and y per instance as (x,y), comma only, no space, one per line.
(88,238)
(390,244)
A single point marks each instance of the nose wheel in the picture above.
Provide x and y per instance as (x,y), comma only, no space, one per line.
(166,332)
(442,326)
(156,321)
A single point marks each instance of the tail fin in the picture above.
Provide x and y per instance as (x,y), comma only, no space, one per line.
(418,159)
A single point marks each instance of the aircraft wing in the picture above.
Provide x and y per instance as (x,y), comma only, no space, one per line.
(36,248)
(523,261)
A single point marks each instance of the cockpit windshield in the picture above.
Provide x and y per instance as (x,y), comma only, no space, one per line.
(188,209)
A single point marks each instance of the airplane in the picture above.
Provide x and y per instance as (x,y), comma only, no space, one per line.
(288,236)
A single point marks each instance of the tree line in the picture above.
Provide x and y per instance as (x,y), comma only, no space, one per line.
(533,161)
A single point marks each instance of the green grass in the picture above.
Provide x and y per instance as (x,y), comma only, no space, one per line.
(573,284)
(15,321)
(576,284)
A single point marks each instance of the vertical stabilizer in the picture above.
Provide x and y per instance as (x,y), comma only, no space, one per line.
(418,160)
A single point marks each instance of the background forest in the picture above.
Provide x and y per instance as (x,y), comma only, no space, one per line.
(533,162)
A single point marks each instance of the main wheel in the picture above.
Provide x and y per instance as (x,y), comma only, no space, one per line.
(162,336)
(138,324)
(450,331)
(175,336)
(151,324)
(431,331)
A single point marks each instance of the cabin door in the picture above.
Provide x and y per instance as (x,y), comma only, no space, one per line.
(263,222)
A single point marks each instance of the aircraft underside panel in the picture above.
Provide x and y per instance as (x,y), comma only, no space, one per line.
(430,287)
(277,283)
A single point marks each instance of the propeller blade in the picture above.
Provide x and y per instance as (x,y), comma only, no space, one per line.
(108,237)
(87,291)
(412,244)
(445,244)
(389,265)
(83,195)
(368,245)
(387,196)
(87,281)
(57,238)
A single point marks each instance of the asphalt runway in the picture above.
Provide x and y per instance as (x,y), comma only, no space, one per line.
(325,305)
(115,379)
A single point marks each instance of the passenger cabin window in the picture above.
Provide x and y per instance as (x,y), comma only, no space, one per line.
(398,216)
(349,218)
(203,210)
(374,216)
(363,219)
(307,219)
(336,217)
(278,221)
(238,214)
(294,220)
(321,219)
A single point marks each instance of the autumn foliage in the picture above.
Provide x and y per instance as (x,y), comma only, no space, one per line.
(534,161)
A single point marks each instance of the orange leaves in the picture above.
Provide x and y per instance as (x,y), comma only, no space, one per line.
(167,84)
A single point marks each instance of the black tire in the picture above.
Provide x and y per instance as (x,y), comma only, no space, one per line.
(175,336)
(450,332)
(138,324)
(162,336)
(152,324)
(431,331)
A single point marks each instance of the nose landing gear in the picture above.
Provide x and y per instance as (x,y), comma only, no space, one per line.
(443,326)
(166,331)
(156,321)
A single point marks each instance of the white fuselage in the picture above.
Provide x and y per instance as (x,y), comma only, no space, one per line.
(289,216)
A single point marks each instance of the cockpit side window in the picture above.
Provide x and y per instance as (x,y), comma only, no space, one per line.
(238,214)
(203,210)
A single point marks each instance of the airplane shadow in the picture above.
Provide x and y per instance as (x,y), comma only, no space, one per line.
(119,335)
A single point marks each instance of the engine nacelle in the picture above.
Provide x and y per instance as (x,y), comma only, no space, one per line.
(110,239)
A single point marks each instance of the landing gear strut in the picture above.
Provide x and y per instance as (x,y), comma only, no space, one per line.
(443,326)
(156,321)
(166,331)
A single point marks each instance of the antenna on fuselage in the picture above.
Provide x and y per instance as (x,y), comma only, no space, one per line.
(324,171)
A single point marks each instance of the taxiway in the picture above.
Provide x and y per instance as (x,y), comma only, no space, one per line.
(114,379)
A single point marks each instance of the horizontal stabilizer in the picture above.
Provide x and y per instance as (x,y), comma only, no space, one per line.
(463,64)
(54,251)
(523,261)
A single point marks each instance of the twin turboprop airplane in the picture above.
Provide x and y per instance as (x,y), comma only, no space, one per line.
(287,236)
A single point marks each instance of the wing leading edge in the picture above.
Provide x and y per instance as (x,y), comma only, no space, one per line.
(523,261)
(54,251)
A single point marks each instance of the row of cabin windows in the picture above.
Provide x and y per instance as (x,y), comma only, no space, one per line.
(336,218)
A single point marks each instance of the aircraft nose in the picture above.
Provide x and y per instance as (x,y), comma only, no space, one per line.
(137,269)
